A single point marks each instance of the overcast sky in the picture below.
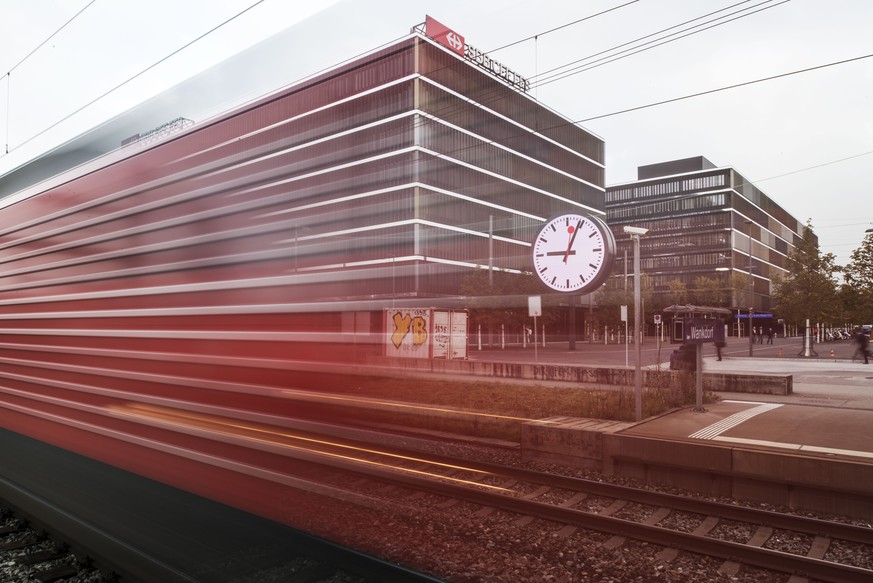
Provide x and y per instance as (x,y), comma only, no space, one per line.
(806,140)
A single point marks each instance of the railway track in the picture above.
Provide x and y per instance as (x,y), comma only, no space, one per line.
(404,481)
(35,555)
(829,551)
(46,541)
(30,554)
(649,516)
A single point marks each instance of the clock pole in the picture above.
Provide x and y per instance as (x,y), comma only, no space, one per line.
(571,321)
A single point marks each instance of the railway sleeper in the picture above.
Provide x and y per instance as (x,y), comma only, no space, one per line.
(57,573)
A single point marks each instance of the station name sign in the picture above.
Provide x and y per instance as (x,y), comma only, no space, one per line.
(702,330)
(455,42)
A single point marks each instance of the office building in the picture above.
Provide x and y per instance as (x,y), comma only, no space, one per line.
(704,221)
(394,175)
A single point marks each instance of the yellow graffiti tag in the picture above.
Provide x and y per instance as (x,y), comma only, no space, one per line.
(403,324)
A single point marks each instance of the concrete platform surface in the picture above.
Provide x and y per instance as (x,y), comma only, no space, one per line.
(830,411)
(801,429)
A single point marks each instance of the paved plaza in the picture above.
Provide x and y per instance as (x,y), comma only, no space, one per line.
(829,378)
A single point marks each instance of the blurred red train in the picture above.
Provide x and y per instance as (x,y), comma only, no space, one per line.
(153,293)
(199,274)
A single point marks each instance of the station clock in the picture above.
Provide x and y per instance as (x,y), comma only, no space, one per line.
(573,253)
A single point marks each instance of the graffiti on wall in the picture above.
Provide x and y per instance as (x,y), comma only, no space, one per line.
(406,324)
(408,332)
(426,333)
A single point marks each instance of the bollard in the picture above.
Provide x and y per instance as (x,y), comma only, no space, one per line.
(833,356)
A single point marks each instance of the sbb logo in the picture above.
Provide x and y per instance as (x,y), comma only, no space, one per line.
(455,41)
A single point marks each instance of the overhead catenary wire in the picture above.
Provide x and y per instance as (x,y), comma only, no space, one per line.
(562,72)
(487,100)
(140,73)
(725,88)
(557,28)
(47,39)
(690,96)
(486,142)
(522,40)
(482,99)
(822,165)
(8,74)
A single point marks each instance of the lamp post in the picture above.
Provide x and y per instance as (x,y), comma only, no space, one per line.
(635,233)
(751,337)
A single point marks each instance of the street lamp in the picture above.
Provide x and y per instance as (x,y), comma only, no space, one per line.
(635,233)
(751,337)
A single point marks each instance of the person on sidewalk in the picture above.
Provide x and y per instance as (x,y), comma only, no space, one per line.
(863,342)
(718,346)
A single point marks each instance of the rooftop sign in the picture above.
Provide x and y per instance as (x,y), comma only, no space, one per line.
(455,42)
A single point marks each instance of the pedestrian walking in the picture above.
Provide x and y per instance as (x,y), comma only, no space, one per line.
(718,346)
(770,335)
(863,342)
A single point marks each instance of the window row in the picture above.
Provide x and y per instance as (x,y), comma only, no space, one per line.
(685,204)
(712,181)
(783,225)
(767,228)
(471,150)
(635,192)
(679,261)
(681,241)
(474,83)
(495,129)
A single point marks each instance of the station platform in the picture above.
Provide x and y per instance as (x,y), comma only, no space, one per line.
(811,449)
(793,428)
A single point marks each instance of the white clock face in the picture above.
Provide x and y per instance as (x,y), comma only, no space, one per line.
(573,253)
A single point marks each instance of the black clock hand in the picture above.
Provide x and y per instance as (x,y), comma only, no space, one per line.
(552,253)
(572,238)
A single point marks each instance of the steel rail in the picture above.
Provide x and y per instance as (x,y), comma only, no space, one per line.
(804,524)
(814,526)
(726,550)
(761,557)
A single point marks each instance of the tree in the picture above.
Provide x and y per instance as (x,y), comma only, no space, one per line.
(709,291)
(612,296)
(740,289)
(809,289)
(857,292)
(677,294)
(503,300)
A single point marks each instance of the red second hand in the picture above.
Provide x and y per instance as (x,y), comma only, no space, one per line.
(572,230)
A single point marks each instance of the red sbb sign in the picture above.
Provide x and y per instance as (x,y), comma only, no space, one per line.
(455,42)
(445,35)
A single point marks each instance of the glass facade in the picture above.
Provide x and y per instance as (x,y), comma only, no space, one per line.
(698,227)
(394,175)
